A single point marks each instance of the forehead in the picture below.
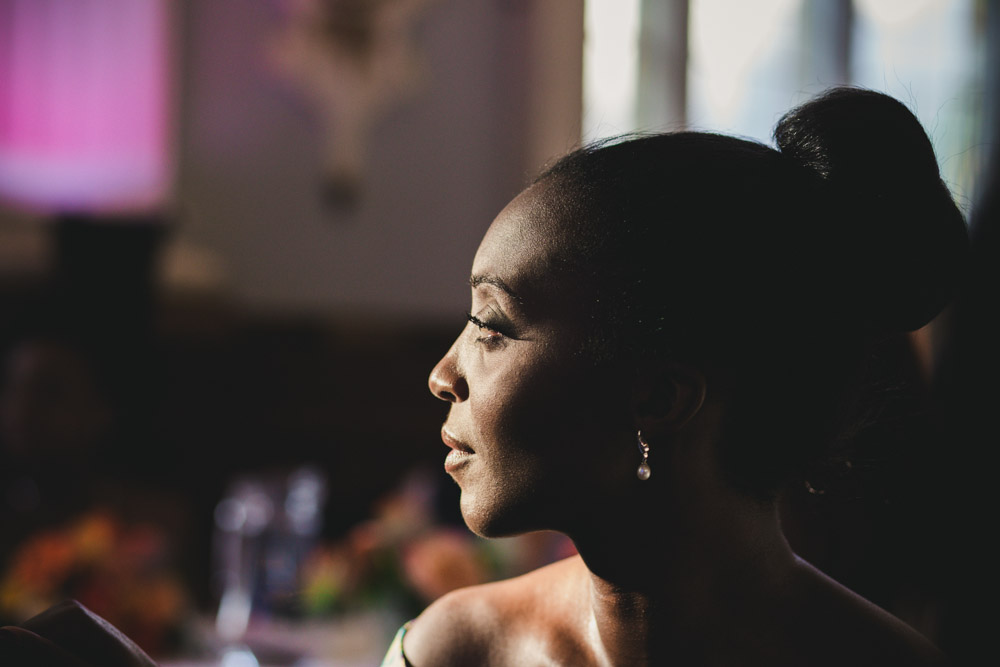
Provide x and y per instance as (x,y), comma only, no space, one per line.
(520,245)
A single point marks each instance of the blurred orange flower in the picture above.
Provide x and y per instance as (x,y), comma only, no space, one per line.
(442,561)
(119,571)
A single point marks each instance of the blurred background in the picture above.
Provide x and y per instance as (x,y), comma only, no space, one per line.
(235,236)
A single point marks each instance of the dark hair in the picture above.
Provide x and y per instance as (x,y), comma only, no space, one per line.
(771,270)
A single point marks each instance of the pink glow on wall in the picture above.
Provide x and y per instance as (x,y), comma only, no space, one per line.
(83,104)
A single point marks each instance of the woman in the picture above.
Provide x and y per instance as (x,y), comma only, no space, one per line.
(663,331)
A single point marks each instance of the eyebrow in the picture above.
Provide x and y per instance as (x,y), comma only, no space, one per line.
(476,281)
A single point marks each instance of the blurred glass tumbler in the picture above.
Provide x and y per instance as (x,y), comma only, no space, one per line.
(264,528)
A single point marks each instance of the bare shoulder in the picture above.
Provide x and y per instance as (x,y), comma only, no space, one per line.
(851,630)
(482,625)
(454,630)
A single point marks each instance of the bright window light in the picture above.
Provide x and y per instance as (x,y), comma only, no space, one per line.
(923,52)
(610,62)
(739,51)
(897,12)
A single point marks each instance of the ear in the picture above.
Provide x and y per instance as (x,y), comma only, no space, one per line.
(667,397)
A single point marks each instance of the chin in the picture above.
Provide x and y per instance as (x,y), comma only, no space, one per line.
(475,518)
(495,519)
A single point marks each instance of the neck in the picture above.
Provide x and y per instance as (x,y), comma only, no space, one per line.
(669,573)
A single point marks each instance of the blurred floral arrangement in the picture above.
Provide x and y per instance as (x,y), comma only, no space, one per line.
(120,571)
(403,558)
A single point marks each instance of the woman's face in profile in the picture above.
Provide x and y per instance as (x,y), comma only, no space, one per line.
(536,428)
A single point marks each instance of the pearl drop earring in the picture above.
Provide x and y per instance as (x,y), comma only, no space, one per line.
(644,471)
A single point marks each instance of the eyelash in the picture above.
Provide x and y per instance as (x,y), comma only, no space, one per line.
(493,338)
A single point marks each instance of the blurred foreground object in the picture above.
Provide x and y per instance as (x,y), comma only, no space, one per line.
(69,635)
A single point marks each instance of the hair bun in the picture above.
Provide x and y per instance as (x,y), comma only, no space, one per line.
(895,243)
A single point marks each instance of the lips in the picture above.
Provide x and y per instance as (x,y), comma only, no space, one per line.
(449,439)
(459,456)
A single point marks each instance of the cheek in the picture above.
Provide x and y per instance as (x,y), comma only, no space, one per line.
(546,463)
(555,426)
(515,425)
(526,407)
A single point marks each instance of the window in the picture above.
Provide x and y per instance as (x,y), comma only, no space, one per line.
(745,63)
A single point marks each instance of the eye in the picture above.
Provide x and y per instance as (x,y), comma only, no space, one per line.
(490,334)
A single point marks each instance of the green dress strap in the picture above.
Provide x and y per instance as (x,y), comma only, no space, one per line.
(395,657)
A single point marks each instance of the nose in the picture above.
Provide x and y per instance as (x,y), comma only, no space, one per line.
(446,381)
